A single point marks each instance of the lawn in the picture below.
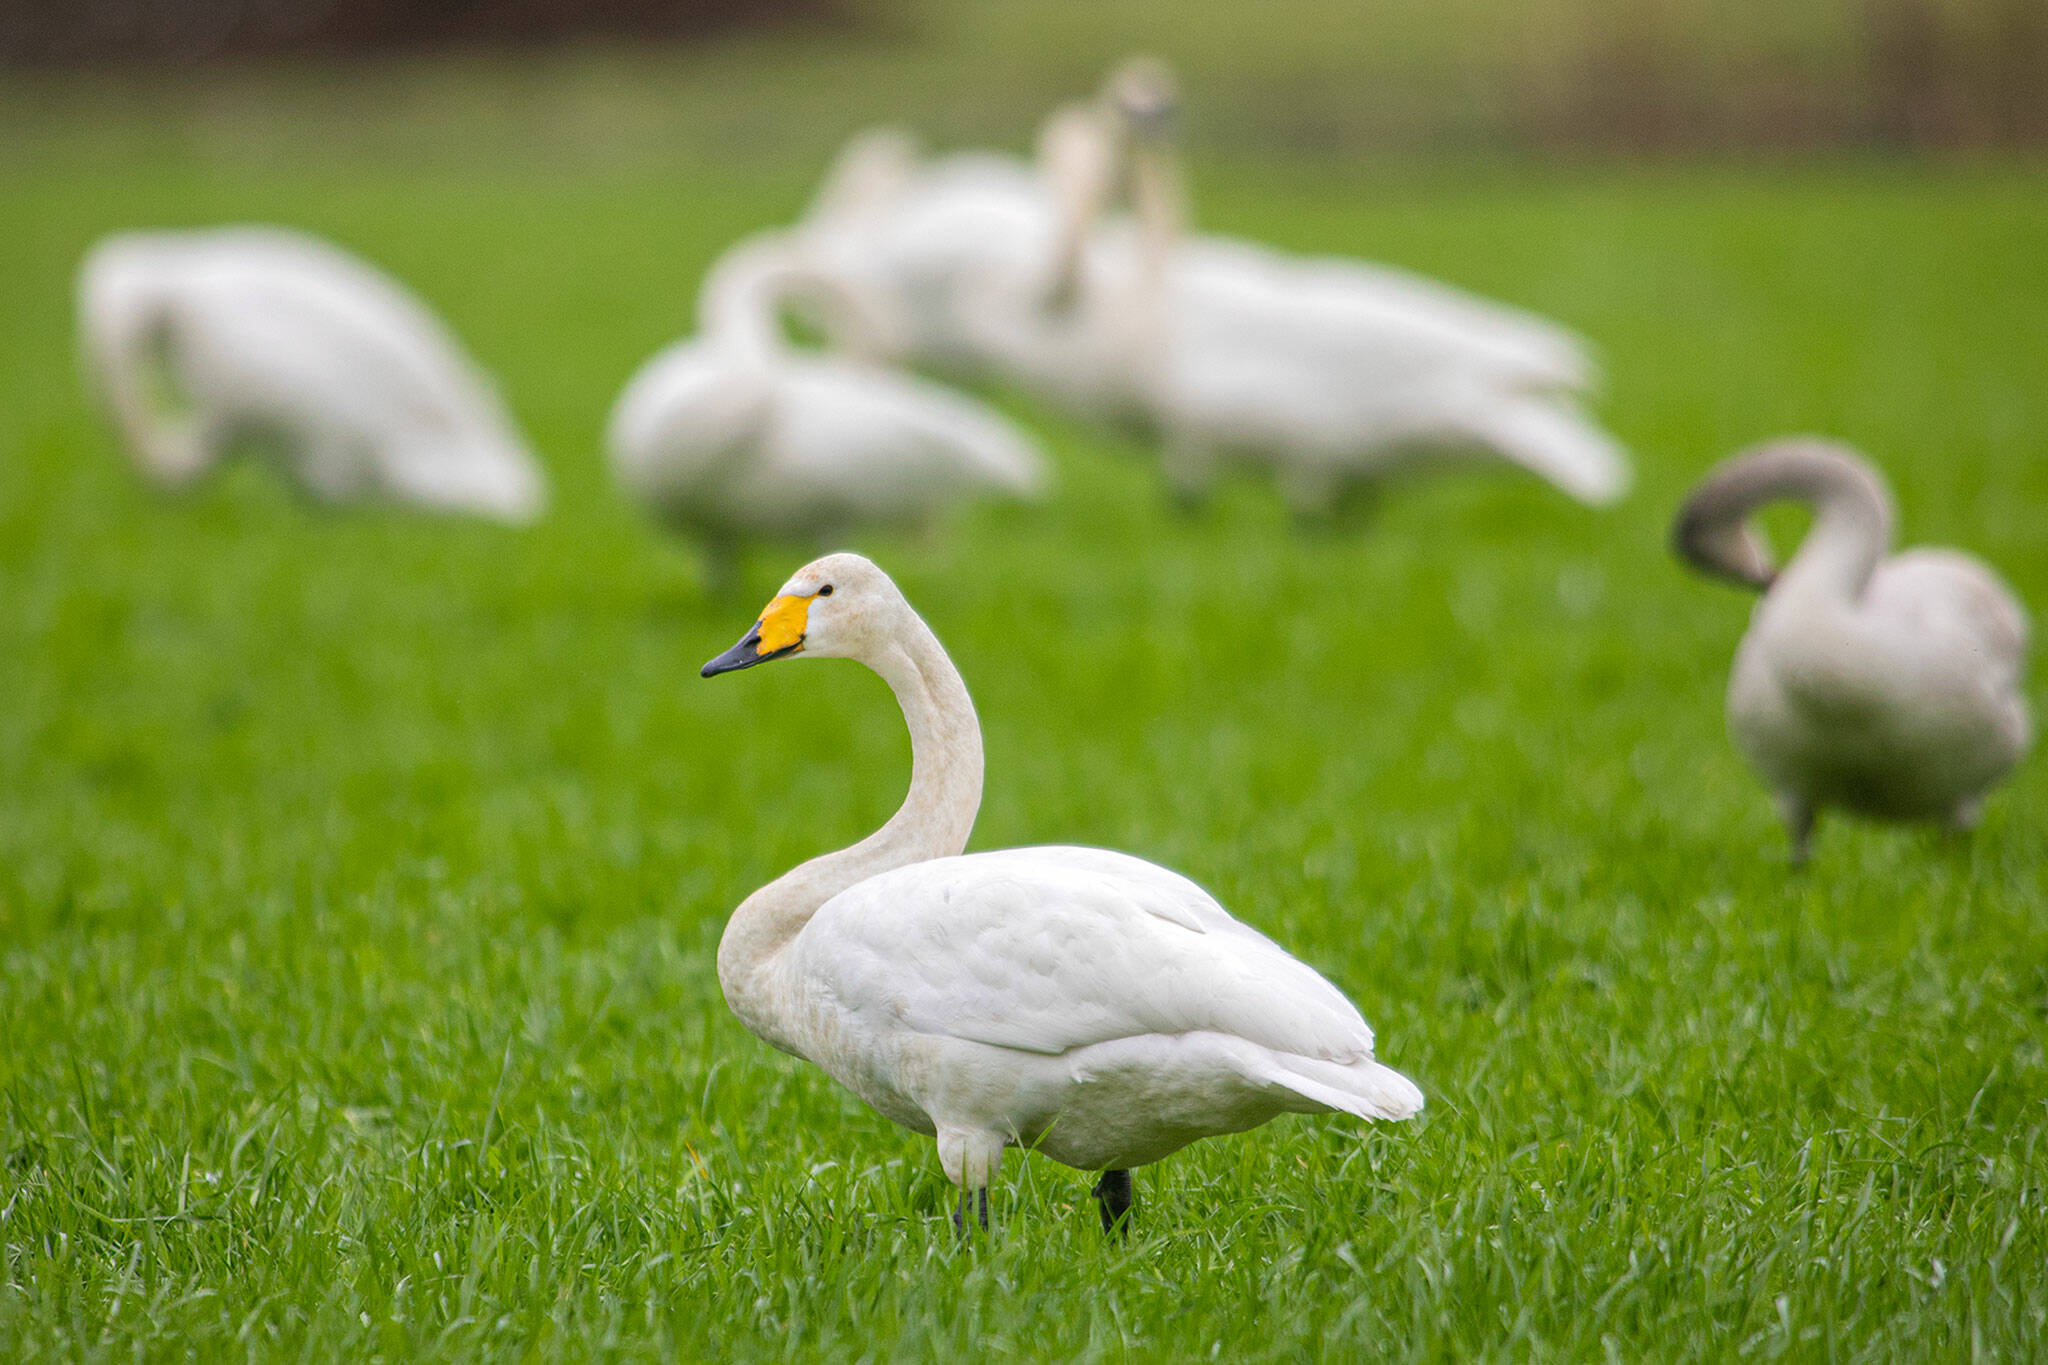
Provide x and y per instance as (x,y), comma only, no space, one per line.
(360,875)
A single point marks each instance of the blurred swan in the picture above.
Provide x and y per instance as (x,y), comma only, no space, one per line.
(914,236)
(1088,1004)
(202,342)
(732,435)
(1329,371)
(1886,685)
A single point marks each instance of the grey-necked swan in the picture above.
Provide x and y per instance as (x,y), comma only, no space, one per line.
(1883,684)
(1088,1004)
(208,341)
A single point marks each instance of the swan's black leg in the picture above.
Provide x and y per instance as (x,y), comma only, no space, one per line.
(1117,1198)
(1799,821)
(977,1198)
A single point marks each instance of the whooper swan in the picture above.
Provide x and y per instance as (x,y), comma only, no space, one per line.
(207,342)
(1088,1004)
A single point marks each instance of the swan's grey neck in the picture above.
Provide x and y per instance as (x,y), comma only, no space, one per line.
(1852,523)
(934,821)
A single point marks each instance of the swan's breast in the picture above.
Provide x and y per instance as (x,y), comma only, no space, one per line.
(1899,705)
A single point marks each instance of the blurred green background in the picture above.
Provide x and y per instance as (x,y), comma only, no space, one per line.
(360,873)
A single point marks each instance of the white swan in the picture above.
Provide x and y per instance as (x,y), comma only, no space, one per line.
(1887,685)
(1091,1005)
(915,236)
(733,435)
(1330,371)
(204,342)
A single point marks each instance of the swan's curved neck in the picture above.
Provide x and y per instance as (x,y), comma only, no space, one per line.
(1852,523)
(934,821)
(745,296)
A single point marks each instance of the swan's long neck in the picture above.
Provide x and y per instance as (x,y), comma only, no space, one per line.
(747,292)
(1160,202)
(1079,153)
(1088,153)
(1852,523)
(934,821)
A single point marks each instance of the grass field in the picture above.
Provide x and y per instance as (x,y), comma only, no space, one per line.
(360,875)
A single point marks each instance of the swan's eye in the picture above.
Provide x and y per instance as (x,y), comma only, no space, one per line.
(825,591)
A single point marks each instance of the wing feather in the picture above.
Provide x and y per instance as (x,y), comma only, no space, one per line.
(1050,949)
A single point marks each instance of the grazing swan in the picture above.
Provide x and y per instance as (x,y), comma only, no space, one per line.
(733,435)
(1088,1004)
(1887,685)
(1328,371)
(201,342)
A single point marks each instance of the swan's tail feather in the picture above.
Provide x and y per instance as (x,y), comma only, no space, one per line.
(1365,1089)
(1551,438)
(997,451)
(478,476)
(1014,465)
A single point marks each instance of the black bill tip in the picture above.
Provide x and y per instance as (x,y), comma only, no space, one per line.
(745,654)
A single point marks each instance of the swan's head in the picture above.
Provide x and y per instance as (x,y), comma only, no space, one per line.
(838,607)
(1713,531)
(1144,92)
(1723,546)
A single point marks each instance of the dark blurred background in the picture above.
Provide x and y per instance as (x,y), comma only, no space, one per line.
(1635,75)
(77,32)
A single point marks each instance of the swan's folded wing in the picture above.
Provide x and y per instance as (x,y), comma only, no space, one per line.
(1940,587)
(1050,949)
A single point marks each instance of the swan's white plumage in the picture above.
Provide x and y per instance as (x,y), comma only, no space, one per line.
(1085,1003)
(1326,369)
(260,332)
(734,433)
(919,244)
(1052,949)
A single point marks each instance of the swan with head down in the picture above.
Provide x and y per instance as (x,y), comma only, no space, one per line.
(735,435)
(1085,1003)
(204,343)
(1886,685)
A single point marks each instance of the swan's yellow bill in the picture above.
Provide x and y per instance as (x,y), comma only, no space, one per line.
(780,631)
(782,623)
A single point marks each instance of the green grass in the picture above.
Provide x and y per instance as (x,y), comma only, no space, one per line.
(360,875)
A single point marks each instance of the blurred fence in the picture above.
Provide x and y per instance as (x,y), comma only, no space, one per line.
(1627,75)
(78,32)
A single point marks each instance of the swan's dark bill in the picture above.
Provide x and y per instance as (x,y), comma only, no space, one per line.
(746,654)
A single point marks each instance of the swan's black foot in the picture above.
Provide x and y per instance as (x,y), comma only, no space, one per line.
(1117,1198)
(980,1199)
(1800,817)
(1966,817)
